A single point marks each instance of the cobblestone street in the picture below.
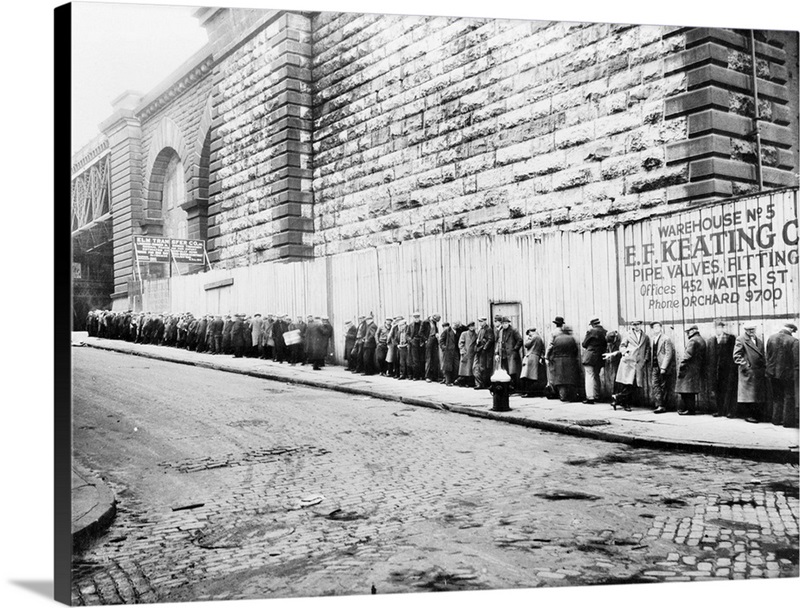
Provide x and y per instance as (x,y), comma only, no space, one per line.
(235,487)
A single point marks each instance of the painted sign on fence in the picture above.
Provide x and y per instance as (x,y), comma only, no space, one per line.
(733,260)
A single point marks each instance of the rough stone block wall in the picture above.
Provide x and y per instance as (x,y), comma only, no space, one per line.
(439,125)
(260,157)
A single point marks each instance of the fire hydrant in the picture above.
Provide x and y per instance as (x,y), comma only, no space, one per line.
(500,387)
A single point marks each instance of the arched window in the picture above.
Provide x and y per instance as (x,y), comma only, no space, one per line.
(176,222)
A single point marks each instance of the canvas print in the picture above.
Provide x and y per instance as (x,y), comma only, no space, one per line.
(379,304)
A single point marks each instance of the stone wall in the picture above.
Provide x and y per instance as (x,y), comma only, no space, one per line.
(439,125)
(260,154)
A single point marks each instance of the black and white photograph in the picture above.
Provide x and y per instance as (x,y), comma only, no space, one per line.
(371,303)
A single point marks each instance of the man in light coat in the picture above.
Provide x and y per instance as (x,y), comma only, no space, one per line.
(534,372)
(632,370)
(691,371)
(748,354)
(782,373)
(662,367)
(594,345)
(466,348)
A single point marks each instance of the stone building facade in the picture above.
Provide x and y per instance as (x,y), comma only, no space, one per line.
(304,135)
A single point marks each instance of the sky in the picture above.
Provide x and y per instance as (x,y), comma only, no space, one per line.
(119,47)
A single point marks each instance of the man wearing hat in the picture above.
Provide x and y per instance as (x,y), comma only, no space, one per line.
(482,367)
(382,348)
(416,349)
(279,327)
(721,371)
(368,353)
(632,371)
(349,343)
(448,346)
(594,347)
(507,350)
(748,354)
(691,370)
(318,334)
(357,354)
(466,348)
(392,363)
(662,367)
(782,354)
(430,337)
(403,349)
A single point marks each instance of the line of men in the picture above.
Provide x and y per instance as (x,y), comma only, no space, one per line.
(741,377)
(239,335)
(437,351)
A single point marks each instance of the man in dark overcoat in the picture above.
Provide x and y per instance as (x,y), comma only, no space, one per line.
(202,327)
(279,327)
(430,337)
(370,344)
(382,345)
(483,367)
(349,342)
(691,371)
(782,373)
(449,353)
(357,354)
(318,334)
(507,350)
(563,356)
(237,336)
(721,371)
(748,354)
(216,334)
(534,371)
(416,347)
(662,367)
(594,347)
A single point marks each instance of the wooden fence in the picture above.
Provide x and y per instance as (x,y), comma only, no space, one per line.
(650,269)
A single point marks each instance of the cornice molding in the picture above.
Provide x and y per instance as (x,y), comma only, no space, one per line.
(181,82)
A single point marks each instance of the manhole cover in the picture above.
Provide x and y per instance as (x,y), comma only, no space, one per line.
(239,535)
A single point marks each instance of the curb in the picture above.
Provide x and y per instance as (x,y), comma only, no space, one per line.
(774,455)
(92,524)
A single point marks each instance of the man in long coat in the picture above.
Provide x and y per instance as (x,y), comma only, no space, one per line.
(227,345)
(256,335)
(449,352)
(403,348)
(781,370)
(237,336)
(318,334)
(430,337)
(416,348)
(349,342)
(357,353)
(466,348)
(534,371)
(594,347)
(279,327)
(632,370)
(382,346)
(202,327)
(370,344)
(691,371)
(748,354)
(721,371)
(563,356)
(662,367)
(507,350)
(482,367)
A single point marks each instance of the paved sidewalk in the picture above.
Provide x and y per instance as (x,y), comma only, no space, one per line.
(93,507)
(641,428)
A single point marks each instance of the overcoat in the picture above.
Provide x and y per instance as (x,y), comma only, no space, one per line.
(564,357)
(635,350)
(534,352)
(318,335)
(594,344)
(256,325)
(449,348)
(692,366)
(748,354)
(663,354)
(466,348)
(509,343)
(349,341)
(780,355)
